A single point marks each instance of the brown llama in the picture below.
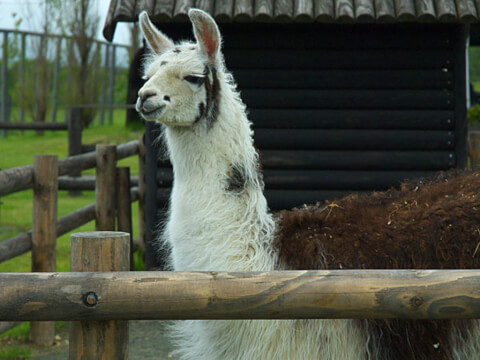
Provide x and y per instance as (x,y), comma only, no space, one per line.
(426,224)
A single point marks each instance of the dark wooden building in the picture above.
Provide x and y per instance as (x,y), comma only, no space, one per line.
(345,96)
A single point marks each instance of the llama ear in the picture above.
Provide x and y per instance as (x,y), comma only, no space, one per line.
(206,32)
(157,41)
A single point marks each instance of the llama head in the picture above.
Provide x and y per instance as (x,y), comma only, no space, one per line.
(182,86)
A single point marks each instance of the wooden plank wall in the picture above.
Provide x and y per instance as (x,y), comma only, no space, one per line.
(338,109)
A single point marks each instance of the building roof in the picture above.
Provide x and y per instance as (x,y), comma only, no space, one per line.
(323,11)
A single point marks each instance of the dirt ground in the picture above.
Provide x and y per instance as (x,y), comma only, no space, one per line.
(147,341)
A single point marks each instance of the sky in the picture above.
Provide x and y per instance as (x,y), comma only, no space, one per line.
(8,7)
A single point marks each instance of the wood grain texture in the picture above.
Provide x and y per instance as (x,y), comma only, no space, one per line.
(349,160)
(296,10)
(352,119)
(110,22)
(33,126)
(124,207)
(99,251)
(364,10)
(332,139)
(144,5)
(474,149)
(460,69)
(283,10)
(322,179)
(263,10)
(348,99)
(243,10)
(44,232)
(141,192)
(75,219)
(15,246)
(477,3)
(425,10)
(405,10)
(105,188)
(124,8)
(385,10)
(358,160)
(357,37)
(336,60)
(128,149)
(16,179)
(344,10)
(324,10)
(303,10)
(223,10)
(343,79)
(180,11)
(75,128)
(124,213)
(467,12)
(372,294)
(205,5)
(337,180)
(446,10)
(163,10)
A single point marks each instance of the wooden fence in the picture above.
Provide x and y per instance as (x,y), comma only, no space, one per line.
(46,176)
(101,302)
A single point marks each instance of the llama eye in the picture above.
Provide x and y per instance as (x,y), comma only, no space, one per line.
(195,79)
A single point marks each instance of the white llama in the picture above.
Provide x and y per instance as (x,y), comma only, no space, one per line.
(219,218)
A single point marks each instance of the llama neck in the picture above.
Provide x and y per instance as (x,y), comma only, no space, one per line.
(219,218)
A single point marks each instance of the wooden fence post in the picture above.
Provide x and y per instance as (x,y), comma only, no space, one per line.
(44,234)
(99,339)
(141,192)
(75,127)
(124,206)
(474,149)
(105,188)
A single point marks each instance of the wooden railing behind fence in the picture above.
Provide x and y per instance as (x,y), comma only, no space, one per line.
(44,233)
(43,176)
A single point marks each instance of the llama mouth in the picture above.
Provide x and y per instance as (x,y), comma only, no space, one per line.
(152,114)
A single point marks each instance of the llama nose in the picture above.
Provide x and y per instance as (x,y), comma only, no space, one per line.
(145,95)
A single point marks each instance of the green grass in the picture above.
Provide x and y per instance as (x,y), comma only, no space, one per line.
(16,209)
(15,352)
(19,149)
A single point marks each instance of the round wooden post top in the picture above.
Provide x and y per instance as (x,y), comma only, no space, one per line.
(100,234)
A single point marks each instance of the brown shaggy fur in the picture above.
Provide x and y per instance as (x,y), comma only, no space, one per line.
(426,224)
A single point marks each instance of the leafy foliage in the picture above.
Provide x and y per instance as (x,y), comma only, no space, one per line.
(473,115)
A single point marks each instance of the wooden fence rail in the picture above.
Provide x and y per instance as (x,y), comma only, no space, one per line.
(21,178)
(21,244)
(336,294)
(43,177)
(33,126)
